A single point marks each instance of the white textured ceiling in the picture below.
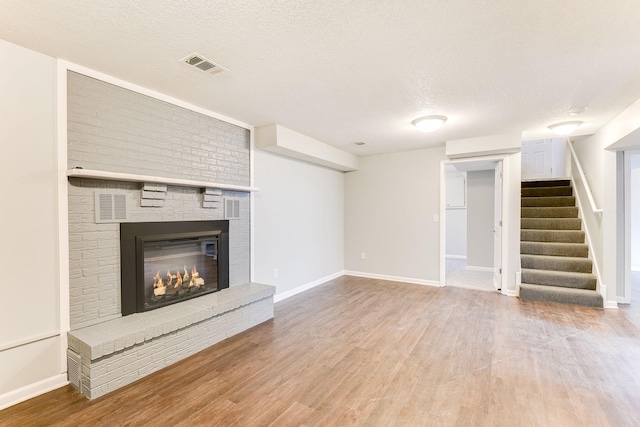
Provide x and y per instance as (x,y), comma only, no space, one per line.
(360,70)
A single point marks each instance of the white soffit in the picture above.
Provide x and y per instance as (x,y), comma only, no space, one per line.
(279,139)
(484,146)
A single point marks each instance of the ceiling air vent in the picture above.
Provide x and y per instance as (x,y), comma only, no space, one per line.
(202,63)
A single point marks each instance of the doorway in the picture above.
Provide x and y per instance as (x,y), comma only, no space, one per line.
(472,256)
(632,227)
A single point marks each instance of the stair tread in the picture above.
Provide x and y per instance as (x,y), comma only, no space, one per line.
(562,182)
(559,278)
(555,231)
(550,201)
(557,257)
(558,273)
(565,244)
(562,295)
(554,248)
(551,223)
(548,212)
(556,197)
(556,263)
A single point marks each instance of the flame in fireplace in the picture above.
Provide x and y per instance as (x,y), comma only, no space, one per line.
(177,280)
(157,281)
(169,278)
(158,285)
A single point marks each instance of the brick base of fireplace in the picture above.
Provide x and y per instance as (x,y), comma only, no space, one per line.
(110,355)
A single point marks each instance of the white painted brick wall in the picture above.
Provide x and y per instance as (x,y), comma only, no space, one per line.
(114,129)
(112,364)
(117,130)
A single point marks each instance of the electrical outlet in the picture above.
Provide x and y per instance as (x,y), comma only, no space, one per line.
(436,218)
(363,255)
(275,272)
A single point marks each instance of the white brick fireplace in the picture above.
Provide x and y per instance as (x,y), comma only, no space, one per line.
(118,140)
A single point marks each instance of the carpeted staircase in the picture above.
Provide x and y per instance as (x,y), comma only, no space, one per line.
(554,257)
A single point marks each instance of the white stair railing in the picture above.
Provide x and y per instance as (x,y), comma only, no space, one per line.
(589,211)
(581,179)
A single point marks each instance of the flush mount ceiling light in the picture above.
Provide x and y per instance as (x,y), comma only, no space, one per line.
(429,123)
(565,128)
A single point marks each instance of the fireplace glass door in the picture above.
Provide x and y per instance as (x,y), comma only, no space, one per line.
(178,266)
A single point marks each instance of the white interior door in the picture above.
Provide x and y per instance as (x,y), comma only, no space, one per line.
(497,229)
(536,159)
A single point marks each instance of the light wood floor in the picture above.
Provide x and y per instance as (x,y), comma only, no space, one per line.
(374,353)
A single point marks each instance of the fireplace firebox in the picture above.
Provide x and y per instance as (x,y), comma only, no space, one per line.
(164,263)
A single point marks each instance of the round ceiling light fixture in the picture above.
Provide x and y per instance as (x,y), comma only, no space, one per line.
(429,123)
(565,128)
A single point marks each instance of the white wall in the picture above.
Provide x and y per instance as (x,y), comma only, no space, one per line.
(602,166)
(456,229)
(299,222)
(635,217)
(480,218)
(30,348)
(559,158)
(389,207)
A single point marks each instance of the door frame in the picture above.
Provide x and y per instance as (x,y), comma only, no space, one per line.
(497,225)
(626,298)
(503,213)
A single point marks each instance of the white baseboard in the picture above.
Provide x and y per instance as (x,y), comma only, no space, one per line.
(456,256)
(32,390)
(393,278)
(610,304)
(306,287)
(474,268)
(511,293)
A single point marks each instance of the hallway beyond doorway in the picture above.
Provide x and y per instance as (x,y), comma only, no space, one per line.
(460,277)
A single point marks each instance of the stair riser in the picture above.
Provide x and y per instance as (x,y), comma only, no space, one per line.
(573,265)
(546,191)
(588,299)
(546,212)
(548,278)
(547,201)
(555,249)
(551,223)
(549,183)
(559,236)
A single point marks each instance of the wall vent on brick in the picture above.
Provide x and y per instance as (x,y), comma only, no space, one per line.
(73,369)
(110,207)
(232,208)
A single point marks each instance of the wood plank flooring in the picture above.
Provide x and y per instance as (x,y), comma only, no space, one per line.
(375,353)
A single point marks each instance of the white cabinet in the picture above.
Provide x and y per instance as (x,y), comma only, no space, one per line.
(456,191)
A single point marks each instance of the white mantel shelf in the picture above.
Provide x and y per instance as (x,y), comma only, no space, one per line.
(129,177)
